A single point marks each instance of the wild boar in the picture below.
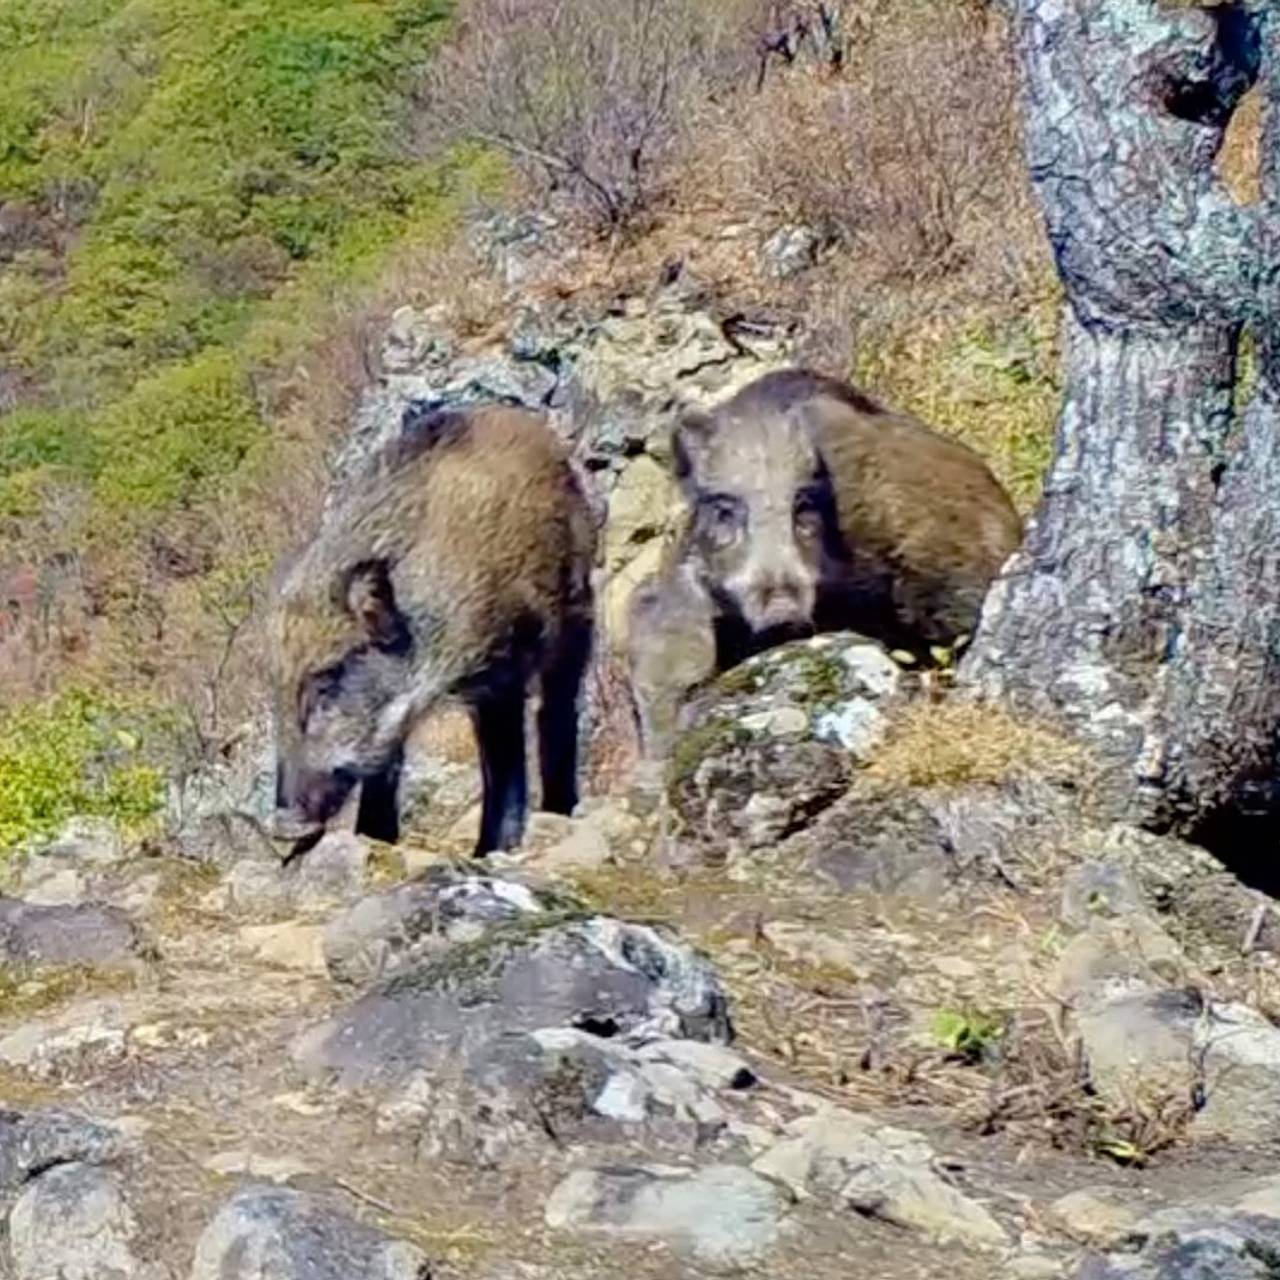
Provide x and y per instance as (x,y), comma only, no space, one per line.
(458,566)
(812,507)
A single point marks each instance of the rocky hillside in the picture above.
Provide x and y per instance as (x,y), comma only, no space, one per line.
(869,989)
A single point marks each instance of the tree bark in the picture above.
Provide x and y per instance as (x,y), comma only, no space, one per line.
(1143,609)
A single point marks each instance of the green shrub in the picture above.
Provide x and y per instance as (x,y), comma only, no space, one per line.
(209,155)
(80,753)
(173,436)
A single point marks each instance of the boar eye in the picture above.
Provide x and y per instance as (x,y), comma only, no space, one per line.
(807,513)
(319,689)
(723,513)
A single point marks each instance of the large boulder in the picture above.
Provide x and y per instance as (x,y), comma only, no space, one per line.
(596,974)
(519,1092)
(74,1223)
(388,931)
(878,1171)
(275,1234)
(38,936)
(1192,1244)
(773,743)
(723,1216)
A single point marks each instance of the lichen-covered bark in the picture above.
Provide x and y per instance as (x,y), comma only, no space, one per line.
(1144,606)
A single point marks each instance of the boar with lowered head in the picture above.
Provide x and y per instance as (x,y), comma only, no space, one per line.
(812,508)
(457,566)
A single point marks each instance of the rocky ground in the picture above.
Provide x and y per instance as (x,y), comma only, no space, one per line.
(868,993)
(867,990)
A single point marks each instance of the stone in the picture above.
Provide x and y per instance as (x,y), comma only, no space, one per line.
(1130,951)
(723,1216)
(643,505)
(33,937)
(35,1141)
(1222,1059)
(1094,1216)
(86,841)
(1192,1244)
(1097,889)
(619,588)
(597,975)
(277,1234)
(74,1039)
(1033,1265)
(52,886)
(773,743)
(807,944)
(334,870)
(1263,1199)
(879,1171)
(517,1091)
(73,1223)
(790,251)
(423,917)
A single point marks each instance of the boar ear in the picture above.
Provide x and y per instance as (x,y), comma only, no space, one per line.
(688,444)
(371,599)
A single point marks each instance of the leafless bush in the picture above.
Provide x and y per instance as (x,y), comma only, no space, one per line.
(588,99)
(892,156)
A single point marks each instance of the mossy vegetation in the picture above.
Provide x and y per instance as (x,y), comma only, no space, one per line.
(25,992)
(83,752)
(714,735)
(991,380)
(169,167)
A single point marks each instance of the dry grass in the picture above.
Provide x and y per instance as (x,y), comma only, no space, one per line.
(1240,161)
(959,740)
(27,992)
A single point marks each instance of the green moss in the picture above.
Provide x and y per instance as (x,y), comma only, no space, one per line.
(24,992)
(715,735)
(821,675)
(469,969)
(80,753)
(739,681)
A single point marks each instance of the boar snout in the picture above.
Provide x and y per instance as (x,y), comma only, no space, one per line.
(779,602)
(308,798)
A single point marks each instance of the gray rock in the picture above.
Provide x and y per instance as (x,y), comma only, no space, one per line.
(1189,1244)
(33,936)
(773,743)
(1099,889)
(880,1171)
(277,1234)
(214,814)
(791,250)
(86,842)
(1098,1216)
(566,1087)
(1177,1044)
(598,975)
(723,1216)
(889,838)
(880,839)
(387,931)
(334,870)
(31,1142)
(73,1223)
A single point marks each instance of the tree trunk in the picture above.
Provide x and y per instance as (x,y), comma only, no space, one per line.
(1144,607)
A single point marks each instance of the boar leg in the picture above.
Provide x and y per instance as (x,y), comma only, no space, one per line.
(499,723)
(558,721)
(672,649)
(378,816)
